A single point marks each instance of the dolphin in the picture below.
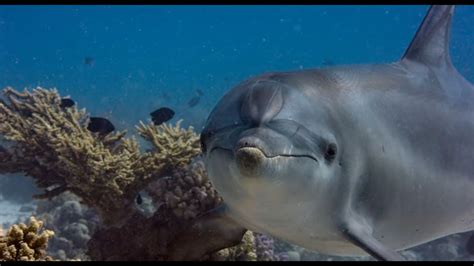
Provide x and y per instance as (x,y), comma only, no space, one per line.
(350,160)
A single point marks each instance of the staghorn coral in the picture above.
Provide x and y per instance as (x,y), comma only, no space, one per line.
(52,144)
(25,243)
(173,146)
(187,192)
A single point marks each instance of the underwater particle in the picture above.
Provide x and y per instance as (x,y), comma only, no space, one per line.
(165,96)
(100,125)
(194,101)
(89,61)
(161,115)
(66,102)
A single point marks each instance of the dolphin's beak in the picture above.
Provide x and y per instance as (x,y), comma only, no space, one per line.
(250,161)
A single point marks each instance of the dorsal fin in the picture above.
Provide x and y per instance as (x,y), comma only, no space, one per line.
(431,43)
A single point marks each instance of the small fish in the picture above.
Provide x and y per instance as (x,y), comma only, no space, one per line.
(100,125)
(165,96)
(89,61)
(328,62)
(161,115)
(26,209)
(66,102)
(194,101)
(139,199)
(199,92)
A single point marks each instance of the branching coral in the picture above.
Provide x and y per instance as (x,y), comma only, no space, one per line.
(173,146)
(25,243)
(53,145)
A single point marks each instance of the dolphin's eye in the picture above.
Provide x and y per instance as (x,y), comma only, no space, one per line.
(331,151)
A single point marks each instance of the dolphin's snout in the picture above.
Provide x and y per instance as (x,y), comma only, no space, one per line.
(250,141)
(249,161)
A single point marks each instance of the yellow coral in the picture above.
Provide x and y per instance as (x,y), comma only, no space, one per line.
(174,146)
(25,243)
(245,251)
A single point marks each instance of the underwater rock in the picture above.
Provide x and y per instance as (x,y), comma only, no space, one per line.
(73,223)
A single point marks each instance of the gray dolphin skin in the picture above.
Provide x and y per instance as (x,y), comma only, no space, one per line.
(350,160)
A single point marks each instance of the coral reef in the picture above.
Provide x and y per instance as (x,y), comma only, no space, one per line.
(52,144)
(187,192)
(25,242)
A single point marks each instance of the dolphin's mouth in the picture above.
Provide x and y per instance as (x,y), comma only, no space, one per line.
(267,156)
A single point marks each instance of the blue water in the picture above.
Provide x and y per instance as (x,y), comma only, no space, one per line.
(147,57)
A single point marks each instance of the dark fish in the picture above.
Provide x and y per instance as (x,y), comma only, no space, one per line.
(199,92)
(139,199)
(89,61)
(194,101)
(66,102)
(328,62)
(100,125)
(161,115)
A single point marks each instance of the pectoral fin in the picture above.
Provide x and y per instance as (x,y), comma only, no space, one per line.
(208,233)
(360,235)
